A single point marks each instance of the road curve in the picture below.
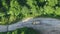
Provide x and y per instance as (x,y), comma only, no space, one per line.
(45,25)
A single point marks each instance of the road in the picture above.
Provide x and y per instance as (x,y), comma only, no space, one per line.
(45,25)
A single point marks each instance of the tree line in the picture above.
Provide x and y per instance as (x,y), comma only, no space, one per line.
(14,10)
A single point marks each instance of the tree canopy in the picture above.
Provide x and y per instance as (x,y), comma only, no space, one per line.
(14,10)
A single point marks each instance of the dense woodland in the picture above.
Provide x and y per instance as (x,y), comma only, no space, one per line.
(14,10)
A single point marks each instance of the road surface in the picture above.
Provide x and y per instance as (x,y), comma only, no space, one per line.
(45,25)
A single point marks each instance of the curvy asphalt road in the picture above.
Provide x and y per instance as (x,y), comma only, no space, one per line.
(45,25)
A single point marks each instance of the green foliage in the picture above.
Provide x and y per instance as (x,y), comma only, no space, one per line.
(4,3)
(25,11)
(24,30)
(52,2)
(15,10)
(48,10)
(41,0)
(30,2)
(57,12)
